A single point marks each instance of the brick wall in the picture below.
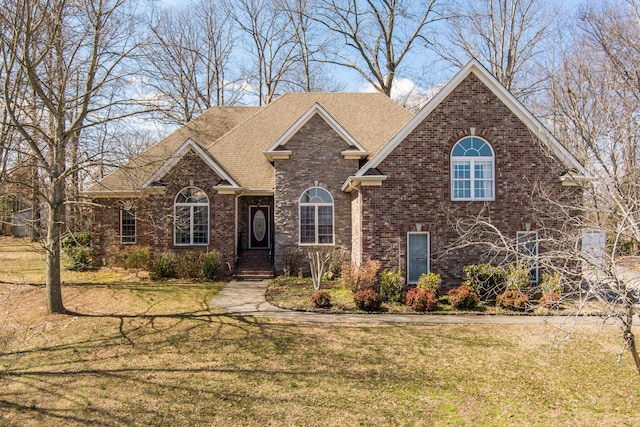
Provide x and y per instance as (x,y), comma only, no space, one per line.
(418,189)
(316,161)
(154,214)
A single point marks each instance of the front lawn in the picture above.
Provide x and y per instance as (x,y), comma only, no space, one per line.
(142,353)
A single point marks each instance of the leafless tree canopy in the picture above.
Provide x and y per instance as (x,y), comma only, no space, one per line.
(373,37)
(63,69)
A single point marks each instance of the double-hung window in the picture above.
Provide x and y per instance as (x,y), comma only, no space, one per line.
(191,217)
(472,170)
(316,217)
(127,226)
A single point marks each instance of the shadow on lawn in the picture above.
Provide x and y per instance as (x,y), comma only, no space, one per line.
(56,382)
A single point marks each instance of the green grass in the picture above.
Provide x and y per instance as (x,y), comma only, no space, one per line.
(157,353)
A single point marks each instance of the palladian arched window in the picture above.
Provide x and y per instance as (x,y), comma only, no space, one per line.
(316,217)
(191,217)
(472,170)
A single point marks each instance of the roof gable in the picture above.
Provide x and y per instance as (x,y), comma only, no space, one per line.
(276,150)
(502,94)
(370,119)
(189,145)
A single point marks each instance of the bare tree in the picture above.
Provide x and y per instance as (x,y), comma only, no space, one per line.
(70,59)
(505,35)
(189,59)
(374,37)
(596,102)
(308,73)
(272,44)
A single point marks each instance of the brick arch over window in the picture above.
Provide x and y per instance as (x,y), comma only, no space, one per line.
(191,217)
(472,170)
(316,217)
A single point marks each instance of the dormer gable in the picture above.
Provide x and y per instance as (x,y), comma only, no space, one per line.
(353,150)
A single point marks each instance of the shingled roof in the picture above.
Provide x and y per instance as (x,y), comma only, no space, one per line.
(237,137)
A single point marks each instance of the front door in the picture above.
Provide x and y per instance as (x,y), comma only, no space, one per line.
(259,227)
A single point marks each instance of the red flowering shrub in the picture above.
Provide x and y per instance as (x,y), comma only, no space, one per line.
(463,298)
(549,300)
(321,299)
(367,300)
(512,300)
(421,299)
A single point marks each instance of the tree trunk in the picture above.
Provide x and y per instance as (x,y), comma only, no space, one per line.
(627,323)
(54,232)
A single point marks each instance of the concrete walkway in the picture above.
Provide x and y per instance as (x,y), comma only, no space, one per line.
(247,298)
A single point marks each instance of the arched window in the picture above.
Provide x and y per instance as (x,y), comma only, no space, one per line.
(316,217)
(191,217)
(472,170)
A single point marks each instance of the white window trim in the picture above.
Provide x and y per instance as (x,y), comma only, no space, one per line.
(191,222)
(428,253)
(472,161)
(315,206)
(535,267)
(135,227)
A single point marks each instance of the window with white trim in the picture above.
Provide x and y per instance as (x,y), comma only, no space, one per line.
(191,217)
(316,217)
(472,170)
(127,226)
(418,254)
(528,250)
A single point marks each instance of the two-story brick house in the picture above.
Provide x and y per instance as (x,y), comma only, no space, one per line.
(350,171)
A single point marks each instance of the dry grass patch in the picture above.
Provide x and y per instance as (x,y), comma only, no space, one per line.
(158,356)
(157,353)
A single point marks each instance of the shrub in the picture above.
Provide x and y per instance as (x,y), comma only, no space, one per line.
(391,283)
(321,299)
(360,277)
(211,265)
(485,280)
(551,283)
(518,277)
(422,299)
(430,281)
(512,299)
(188,265)
(291,261)
(367,300)
(336,259)
(138,259)
(549,300)
(162,268)
(463,298)
(76,246)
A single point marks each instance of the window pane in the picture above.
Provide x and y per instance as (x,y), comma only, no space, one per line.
(200,225)
(325,224)
(461,170)
(307,224)
(128,226)
(483,170)
(418,262)
(183,225)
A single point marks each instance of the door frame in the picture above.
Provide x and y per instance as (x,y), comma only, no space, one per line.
(409,251)
(250,226)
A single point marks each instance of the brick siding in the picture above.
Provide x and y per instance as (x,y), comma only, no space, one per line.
(418,189)
(317,158)
(154,214)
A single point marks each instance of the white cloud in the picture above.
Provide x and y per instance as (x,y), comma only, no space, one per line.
(407,93)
